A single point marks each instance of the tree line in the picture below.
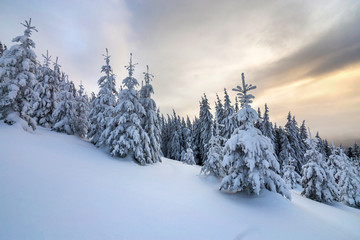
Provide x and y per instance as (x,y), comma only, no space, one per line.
(237,144)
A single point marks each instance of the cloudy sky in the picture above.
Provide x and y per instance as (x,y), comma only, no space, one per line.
(304,56)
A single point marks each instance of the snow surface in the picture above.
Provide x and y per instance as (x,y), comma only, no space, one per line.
(56,186)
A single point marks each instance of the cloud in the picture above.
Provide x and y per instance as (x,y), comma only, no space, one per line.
(76,31)
(335,49)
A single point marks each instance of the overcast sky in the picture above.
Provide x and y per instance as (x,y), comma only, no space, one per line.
(304,56)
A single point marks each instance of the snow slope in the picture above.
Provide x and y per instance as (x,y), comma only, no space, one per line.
(55,186)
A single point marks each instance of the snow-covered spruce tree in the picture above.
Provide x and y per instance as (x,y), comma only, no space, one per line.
(291,177)
(64,115)
(188,156)
(49,81)
(219,112)
(214,157)
(336,161)
(296,142)
(206,122)
(165,135)
(229,122)
(317,181)
(285,150)
(349,184)
(151,122)
(82,112)
(124,134)
(18,78)
(249,155)
(103,104)
(196,139)
(174,145)
(267,128)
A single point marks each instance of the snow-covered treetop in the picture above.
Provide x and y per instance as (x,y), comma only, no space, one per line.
(130,82)
(245,98)
(312,143)
(147,90)
(56,65)
(147,76)
(247,115)
(47,59)
(29,28)
(107,57)
(25,40)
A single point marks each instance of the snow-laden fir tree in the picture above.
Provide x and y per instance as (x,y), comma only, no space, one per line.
(206,122)
(124,134)
(82,112)
(189,130)
(49,81)
(249,155)
(18,78)
(317,181)
(267,128)
(214,157)
(336,161)
(151,122)
(219,112)
(349,184)
(196,138)
(285,150)
(188,156)
(291,177)
(174,145)
(296,142)
(165,135)
(64,115)
(104,103)
(303,131)
(229,122)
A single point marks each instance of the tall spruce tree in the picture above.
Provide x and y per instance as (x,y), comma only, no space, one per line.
(48,91)
(267,128)
(196,139)
(18,78)
(206,122)
(291,177)
(303,131)
(103,104)
(219,112)
(174,146)
(82,112)
(151,122)
(317,181)
(296,143)
(348,183)
(249,156)
(124,134)
(229,122)
(64,115)
(335,162)
(214,156)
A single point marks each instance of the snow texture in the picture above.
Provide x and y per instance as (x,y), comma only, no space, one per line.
(62,187)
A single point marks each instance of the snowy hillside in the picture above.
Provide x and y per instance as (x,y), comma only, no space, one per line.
(56,186)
